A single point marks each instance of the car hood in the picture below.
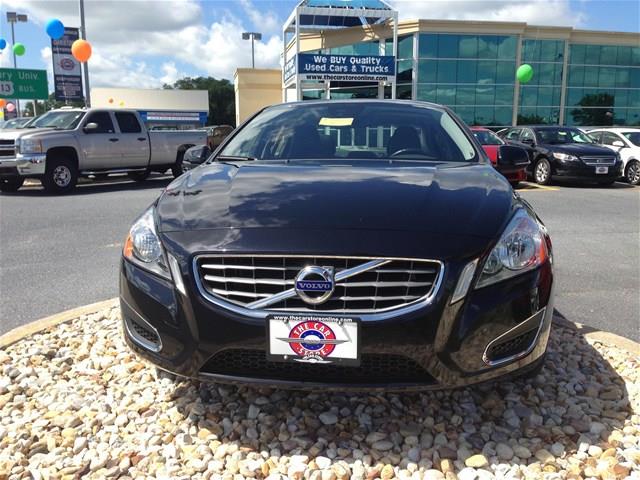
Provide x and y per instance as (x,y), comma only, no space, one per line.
(580,149)
(468,200)
(14,133)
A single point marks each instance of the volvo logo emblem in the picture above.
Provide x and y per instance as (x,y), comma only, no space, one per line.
(314,285)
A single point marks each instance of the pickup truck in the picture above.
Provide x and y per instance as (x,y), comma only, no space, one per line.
(65,144)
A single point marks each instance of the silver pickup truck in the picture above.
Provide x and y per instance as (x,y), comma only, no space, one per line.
(68,143)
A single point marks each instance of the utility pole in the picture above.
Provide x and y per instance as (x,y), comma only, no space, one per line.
(253,36)
(13,18)
(85,65)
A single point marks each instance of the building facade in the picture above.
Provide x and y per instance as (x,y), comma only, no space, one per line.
(581,78)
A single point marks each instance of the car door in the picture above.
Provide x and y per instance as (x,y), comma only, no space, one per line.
(134,141)
(608,140)
(512,135)
(99,145)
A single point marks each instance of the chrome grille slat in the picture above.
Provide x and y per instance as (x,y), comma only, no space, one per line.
(260,284)
(599,160)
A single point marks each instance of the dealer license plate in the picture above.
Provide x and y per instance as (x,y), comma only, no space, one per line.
(314,339)
(602,170)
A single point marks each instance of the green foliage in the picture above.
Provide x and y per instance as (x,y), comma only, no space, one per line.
(222,101)
(46,105)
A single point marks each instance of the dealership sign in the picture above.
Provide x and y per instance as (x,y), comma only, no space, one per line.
(347,68)
(67,76)
(22,83)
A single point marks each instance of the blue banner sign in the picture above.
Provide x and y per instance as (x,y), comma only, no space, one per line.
(354,68)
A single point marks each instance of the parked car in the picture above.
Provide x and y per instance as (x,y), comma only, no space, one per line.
(18,122)
(195,156)
(348,244)
(626,142)
(216,134)
(565,152)
(491,145)
(65,144)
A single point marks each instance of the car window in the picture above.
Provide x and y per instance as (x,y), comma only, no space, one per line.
(103,119)
(486,137)
(128,122)
(527,135)
(357,130)
(633,137)
(555,136)
(596,136)
(513,134)
(608,138)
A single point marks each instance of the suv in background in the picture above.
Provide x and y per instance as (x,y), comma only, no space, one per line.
(564,152)
(626,142)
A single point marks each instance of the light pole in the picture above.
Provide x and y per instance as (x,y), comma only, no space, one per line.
(253,36)
(13,18)
(85,65)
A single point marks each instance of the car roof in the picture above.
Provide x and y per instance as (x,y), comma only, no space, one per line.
(386,101)
(480,129)
(615,129)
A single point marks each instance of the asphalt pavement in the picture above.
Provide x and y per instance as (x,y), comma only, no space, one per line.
(60,252)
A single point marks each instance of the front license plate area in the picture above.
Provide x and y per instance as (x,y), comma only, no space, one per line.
(314,339)
(602,170)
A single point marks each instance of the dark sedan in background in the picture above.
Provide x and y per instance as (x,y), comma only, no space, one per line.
(491,145)
(565,152)
(342,244)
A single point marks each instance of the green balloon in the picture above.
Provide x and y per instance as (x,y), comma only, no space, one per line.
(524,73)
(19,49)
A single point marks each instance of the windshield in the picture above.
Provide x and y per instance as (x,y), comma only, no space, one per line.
(16,122)
(633,137)
(486,137)
(58,119)
(354,130)
(555,136)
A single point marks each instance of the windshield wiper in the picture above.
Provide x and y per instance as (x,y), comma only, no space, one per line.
(235,158)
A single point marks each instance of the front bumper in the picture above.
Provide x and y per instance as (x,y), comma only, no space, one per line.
(582,171)
(27,165)
(438,346)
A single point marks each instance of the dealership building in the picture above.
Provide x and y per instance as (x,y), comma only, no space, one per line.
(581,77)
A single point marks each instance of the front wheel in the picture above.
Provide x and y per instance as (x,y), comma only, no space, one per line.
(632,172)
(60,176)
(178,168)
(542,172)
(11,184)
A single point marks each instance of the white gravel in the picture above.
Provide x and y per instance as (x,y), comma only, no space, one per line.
(75,402)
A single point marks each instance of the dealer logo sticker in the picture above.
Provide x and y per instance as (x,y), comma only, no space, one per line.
(312,340)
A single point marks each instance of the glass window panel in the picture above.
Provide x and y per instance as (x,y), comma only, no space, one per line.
(466,95)
(634,99)
(487,71)
(608,55)
(576,76)
(548,51)
(507,47)
(447,46)
(427,70)
(622,99)
(488,46)
(446,94)
(505,72)
(607,77)
(624,55)
(405,70)
(312,94)
(545,96)
(557,74)
(530,51)
(485,95)
(592,55)
(527,116)
(467,71)
(503,115)
(574,95)
(404,92)
(576,54)
(555,95)
(405,47)
(428,45)
(504,95)
(591,76)
(635,56)
(633,117)
(528,96)
(484,116)
(446,71)
(466,114)
(546,72)
(467,46)
(634,77)
(426,93)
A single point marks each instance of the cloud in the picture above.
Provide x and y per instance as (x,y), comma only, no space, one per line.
(537,12)
(263,21)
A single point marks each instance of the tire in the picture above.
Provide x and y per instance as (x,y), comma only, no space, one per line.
(60,176)
(139,176)
(542,172)
(178,169)
(11,184)
(632,172)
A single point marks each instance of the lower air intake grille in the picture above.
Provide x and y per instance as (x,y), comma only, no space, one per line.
(512,346)
(144,335)
(374,369)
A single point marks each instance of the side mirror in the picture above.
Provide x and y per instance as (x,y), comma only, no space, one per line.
(618,143)
(512,156)
(90,127)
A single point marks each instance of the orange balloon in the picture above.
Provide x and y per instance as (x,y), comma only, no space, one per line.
(3,102)
(81,50)
(110,100)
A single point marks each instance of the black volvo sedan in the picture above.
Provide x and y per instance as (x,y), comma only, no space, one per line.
(341,244)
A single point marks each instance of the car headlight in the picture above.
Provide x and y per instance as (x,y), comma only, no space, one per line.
(565,157)
(27,145)
(522,247)
(143,246)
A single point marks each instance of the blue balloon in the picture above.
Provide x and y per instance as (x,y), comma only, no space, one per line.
(3,43)
(55,28)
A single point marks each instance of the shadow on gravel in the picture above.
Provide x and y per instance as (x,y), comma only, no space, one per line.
(568,418)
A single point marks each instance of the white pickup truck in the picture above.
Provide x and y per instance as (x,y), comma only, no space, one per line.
(67,143)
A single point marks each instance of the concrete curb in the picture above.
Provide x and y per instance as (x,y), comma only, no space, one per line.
(38,326)
(42,324)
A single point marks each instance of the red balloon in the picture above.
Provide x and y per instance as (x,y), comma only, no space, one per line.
(81,50)
(10,107)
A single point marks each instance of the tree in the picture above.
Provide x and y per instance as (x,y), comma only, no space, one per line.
(590,114)
(49,104)
(222,100)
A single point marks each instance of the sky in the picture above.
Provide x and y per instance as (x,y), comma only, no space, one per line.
(146,43)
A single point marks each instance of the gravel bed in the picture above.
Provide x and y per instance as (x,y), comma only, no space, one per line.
(75,402)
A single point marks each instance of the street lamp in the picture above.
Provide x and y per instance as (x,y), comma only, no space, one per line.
(253,36)
(13,18)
